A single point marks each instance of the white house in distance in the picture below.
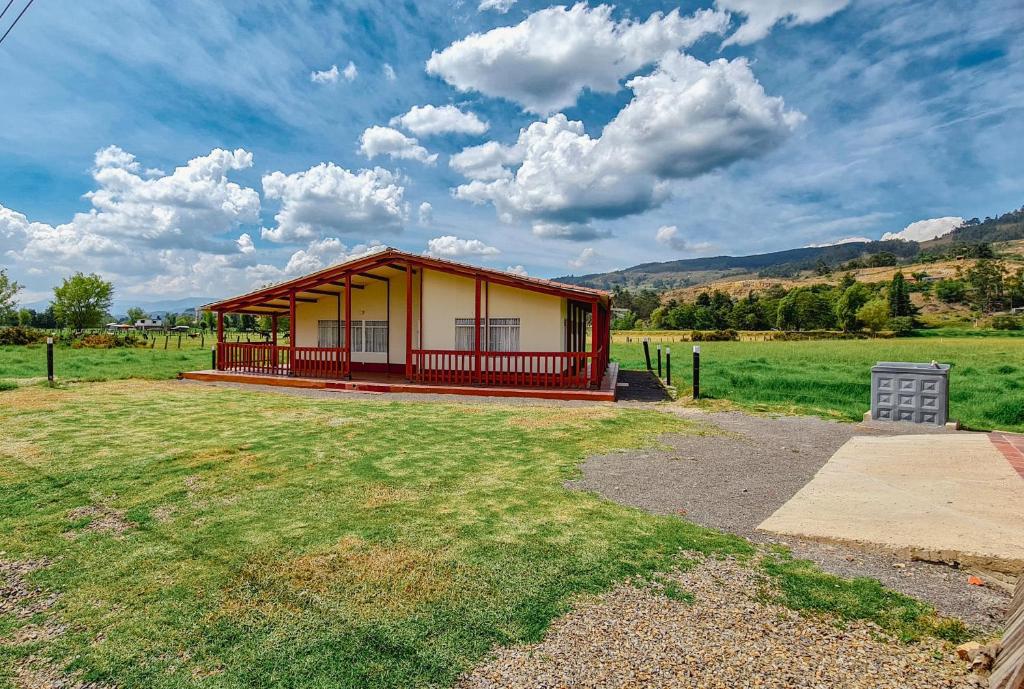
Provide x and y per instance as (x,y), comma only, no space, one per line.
(392,320)
(149,324)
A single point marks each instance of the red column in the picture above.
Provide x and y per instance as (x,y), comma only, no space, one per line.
(291,333)
(408,321)
(220,340)
(348,324)
(273,343)
(476,333)
(595,335)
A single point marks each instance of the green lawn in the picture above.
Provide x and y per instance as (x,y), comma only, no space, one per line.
(271,540)
(101,364)
(832,377)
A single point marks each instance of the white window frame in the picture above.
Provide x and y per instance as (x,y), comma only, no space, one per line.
(496,334)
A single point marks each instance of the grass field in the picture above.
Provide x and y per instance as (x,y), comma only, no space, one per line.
(204,537)
(832,377)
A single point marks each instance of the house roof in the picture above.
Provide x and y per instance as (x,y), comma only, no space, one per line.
(258,301)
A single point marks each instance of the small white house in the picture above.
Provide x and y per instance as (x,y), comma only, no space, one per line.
(149,324)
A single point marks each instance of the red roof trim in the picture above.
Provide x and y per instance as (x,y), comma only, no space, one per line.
(388,255)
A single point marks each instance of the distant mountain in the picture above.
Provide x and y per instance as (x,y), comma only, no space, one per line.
(692,271)
(158,307)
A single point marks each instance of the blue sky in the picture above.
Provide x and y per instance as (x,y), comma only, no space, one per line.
(576,139)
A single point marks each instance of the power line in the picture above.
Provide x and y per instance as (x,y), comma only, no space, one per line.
(9,3)
(20,14)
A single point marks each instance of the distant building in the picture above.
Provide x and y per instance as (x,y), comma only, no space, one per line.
(149,324)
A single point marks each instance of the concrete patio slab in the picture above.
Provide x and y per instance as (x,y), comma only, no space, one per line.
(949,498)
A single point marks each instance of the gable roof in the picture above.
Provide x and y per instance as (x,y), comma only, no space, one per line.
(389,257)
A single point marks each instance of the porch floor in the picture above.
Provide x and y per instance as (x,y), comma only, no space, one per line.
(364,381)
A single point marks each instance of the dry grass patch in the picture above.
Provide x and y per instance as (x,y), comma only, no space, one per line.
(543,418)
(102,518)
(381,495)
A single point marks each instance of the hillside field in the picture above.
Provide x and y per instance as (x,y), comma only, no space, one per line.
(832,378)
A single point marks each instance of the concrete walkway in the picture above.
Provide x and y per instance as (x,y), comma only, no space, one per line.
(951,498)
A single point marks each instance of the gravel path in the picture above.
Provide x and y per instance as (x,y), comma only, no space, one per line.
(726,637)
(749,466)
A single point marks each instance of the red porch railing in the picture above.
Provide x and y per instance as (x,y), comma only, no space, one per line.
(269,359)
(526,369)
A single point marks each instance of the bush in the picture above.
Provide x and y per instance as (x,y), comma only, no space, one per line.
(104,341)
(950,291)
(1007,322)
(902,325)
(21,335)
(714,336)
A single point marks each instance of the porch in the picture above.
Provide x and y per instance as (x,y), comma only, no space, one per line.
(461,326)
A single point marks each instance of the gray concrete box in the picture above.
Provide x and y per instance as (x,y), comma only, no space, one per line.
(918,393)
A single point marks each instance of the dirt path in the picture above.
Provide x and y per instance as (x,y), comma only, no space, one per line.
(751,465)
(724,633)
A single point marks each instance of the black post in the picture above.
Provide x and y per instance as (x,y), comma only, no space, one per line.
(49,360)
(647,352)
(696,371)
(668,366)
(659,361)
(213,356)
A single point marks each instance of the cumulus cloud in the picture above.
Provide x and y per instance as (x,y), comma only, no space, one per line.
(327,76)
(350,72)
(327,199)
(487,161)
(668,235)
(545,62)
(425,120)
(586,256)
(761,15)
(378,140)
(450,246)
(389,72)
(923,230)
(426,213)
(686,118)
(517,270)
(499,6)
(245,244)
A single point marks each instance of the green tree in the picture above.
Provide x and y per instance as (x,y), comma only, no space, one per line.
(850,301)
(899,297)
(26,317)
(8,291)
(874,314)
(950,291)
(82,301)
(986,285)
(135,314)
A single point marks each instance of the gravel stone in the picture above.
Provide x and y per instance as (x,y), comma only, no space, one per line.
(730,635)
(744,468)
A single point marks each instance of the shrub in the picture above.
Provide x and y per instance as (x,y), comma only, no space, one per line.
(714,336)
(950,291)
(21,335)
(902,325)
(874,314)
(102,341)
(1007,323)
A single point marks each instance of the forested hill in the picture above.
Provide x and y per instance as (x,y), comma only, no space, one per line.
(694,271)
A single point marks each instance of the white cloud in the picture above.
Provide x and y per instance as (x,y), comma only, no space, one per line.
(545,62)
(327,199)
(378,140)
(245,244)
(517,270)
(350,72)
(668,235)
(572,231)
(923,230)
(844,240)
(762,15)
(487,161)
(327,76)
(450,246)
(426,213)
(115,157)
(686,118)
(389,72)
(585,257)
(499,6)
(424,120)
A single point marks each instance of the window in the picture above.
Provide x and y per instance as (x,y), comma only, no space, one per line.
(496,334)
(375,336)
(367,336)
